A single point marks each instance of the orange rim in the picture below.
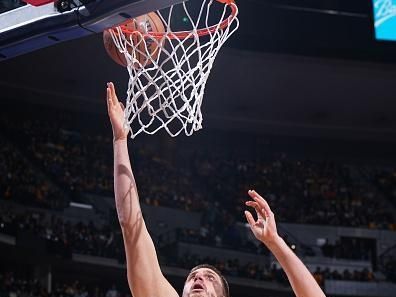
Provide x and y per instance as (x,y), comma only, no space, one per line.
(184,34)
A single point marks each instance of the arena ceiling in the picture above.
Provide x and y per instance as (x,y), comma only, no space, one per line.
(295,67)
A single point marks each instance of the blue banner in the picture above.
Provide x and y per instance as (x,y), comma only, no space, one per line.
(385,19)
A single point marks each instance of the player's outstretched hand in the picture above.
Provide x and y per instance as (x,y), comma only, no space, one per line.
(115,110)
(264,228)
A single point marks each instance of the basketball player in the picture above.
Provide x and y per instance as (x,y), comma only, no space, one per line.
(143,271)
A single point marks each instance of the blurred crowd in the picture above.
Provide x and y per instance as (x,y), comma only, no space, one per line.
(213,180)
(19,181)
(363,275)
(12,285)
(229,239)
(385,179)
(64,238)
(349,248)
(268,272)
(50,161)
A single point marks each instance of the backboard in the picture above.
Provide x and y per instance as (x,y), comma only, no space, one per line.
(25,27)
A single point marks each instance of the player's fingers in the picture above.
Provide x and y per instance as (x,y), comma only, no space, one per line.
(262,202)
(108,98)
(250,219)
(110,93)
(250,202)
(260,212)
(113,93)
(254,194)
(253,204)
(122,105)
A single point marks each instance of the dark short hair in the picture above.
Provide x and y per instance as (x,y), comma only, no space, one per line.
(226,288)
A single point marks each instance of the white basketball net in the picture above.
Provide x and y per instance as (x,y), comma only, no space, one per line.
(166,90)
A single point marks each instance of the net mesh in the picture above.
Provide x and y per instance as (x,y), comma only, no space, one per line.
(167,84)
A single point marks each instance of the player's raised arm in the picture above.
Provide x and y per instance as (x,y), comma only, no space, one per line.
(144,274)
(264,229)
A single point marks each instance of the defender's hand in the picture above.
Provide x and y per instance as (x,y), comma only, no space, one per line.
(264,228)
(115,110)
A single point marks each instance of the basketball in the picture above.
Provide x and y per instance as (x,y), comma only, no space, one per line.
(150,22)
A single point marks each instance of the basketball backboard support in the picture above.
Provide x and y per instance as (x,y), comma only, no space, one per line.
(28,28)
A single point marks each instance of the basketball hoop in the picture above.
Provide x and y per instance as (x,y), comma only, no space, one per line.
(166,89)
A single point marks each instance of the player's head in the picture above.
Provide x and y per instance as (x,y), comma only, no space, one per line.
(205,281)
